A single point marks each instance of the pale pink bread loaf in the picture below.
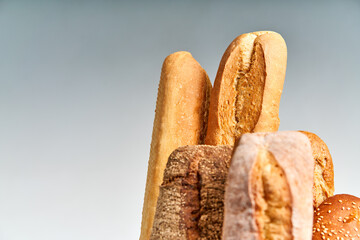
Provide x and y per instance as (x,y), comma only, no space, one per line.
(269,188)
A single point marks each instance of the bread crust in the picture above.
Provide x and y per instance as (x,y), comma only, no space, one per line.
(323,169)
(180,119)
(338,217)
(247,88)
(190,204)
(248,210)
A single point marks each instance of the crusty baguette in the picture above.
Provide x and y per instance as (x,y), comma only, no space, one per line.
(180,119)
(269,188)
(190,205)
(323,169)
(247,89)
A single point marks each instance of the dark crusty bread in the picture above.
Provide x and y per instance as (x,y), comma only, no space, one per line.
(247,88)
(323,169)
(269,188)
(190,204)
(338,217)
(180,119)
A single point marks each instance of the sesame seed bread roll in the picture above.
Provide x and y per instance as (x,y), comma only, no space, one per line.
(180,119)
(323,169)
(337,218)
(247,88)
(268,193)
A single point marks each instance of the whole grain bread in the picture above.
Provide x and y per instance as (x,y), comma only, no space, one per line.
(190,204)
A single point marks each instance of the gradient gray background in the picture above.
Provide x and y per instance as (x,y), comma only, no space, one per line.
(78,86)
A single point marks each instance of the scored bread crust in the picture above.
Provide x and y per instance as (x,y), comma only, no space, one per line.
(247,88)
(323,169)
(180,119)
(255,206)
(190,205)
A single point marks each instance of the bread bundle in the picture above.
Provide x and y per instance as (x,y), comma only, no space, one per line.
(248,181)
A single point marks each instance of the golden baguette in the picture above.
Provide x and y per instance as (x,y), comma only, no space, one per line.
(247,89)
(180,119)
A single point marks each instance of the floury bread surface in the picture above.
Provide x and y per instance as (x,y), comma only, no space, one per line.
(269,188)
(190,205)
(247,89)
(180,119)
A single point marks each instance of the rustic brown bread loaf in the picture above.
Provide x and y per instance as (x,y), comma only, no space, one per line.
(180,119)
(269,188)
(247,88)
(323,169)
(190,204)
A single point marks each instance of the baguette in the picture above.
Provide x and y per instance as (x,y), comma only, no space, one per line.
(180,119)
(247,88)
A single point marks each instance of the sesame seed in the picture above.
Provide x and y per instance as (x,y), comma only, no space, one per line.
(348,208)
(340,201)
(353,203)
(329,211)
(343,208)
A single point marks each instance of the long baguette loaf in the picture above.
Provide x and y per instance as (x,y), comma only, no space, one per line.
(190,205)
(180,119)
(247,88)
(269,188)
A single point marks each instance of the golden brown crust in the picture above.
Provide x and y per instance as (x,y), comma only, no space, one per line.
(180,119)
(323,169)
(268,174)
(247,88)
(338,217)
